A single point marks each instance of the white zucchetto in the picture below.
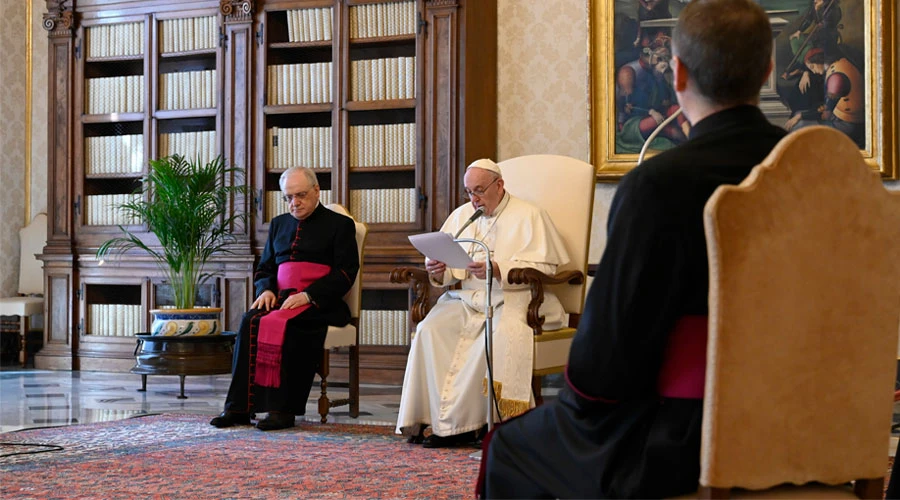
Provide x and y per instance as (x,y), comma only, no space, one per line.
(485,164)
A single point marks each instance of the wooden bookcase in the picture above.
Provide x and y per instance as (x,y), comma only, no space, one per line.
(388,100)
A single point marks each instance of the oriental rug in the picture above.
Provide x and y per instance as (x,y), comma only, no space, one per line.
(181,456)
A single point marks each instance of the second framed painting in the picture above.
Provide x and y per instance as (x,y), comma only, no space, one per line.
(816,42)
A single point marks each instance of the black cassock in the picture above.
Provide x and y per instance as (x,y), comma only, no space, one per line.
(325,237)
(609,434)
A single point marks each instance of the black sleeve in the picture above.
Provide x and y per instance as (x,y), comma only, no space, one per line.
(634,299)
(266,275)
(333,286)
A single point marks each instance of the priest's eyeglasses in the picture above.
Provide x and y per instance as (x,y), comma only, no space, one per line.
(296,196)
(479,191)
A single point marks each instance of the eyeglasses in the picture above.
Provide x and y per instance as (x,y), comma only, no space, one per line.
(296,197)
(479,192)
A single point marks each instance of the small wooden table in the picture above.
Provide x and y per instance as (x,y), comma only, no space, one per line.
(182,356)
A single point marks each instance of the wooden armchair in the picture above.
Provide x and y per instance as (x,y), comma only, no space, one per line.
(345,336)
(804,309)
(564,187)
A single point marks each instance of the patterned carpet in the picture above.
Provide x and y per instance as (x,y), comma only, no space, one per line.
(181,456)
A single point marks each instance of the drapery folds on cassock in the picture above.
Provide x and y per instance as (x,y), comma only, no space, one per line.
(611,434)
(324,238)
(446,369)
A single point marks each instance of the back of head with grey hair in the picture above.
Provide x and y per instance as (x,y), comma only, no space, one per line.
(310,176)
(726,45)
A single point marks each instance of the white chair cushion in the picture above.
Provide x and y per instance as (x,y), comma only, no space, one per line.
(21,306)
(340,336)
(552,350)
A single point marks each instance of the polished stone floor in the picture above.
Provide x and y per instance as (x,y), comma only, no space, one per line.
(40,398)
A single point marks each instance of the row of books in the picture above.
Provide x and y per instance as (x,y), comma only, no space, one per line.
(188,90)
(383,327)
(275,204)
(115,40)
(383,19)
(193,146)
(376,206)
(114,94)
(299,83)
(116,154)
(380,79)
(380,145)
(309,25)
(101,209)
(114,320)
(289,147)
(185,35)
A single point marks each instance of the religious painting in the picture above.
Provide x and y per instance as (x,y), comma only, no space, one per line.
(833,65)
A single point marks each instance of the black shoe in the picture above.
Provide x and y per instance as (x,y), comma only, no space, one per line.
(230,419)
(275,421)
(435,441)
(417,437)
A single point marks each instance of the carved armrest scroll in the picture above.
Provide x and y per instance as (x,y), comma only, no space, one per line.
(419,289)
(536,280)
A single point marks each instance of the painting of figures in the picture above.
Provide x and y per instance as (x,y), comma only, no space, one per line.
(819,75)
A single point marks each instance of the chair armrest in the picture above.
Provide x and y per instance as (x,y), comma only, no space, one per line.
(536,281)
(419,289)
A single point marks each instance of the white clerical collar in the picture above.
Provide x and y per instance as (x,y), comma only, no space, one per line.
(500,206)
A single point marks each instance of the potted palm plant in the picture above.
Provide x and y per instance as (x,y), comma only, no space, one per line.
(185,204)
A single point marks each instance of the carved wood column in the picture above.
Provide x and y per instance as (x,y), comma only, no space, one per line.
(441,114)
(59,279)
(459,98)
(237,71)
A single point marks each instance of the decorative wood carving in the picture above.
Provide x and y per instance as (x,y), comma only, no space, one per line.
(536,281)
(442,3)
(59,19)
(237,11)
(418,280)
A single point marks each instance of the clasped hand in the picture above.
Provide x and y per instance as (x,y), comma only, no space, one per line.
(266,300)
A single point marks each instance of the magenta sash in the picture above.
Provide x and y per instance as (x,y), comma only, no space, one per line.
(296,275)
(683,372)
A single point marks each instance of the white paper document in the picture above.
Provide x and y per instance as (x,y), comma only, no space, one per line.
(440,246)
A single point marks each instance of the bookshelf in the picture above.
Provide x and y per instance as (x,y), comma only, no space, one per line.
(388,100)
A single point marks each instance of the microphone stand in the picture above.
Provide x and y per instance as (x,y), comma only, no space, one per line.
(656,132)
(488,331)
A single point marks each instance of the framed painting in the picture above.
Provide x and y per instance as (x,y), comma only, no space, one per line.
(843,49)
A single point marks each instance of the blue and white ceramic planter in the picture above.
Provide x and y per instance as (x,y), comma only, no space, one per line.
(186,322)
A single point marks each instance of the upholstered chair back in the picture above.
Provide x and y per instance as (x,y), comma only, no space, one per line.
(564,187)
(804,309)
(32,239)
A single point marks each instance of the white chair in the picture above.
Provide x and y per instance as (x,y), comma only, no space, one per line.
(30,301)
(804,309)
(345,336)
(564,187)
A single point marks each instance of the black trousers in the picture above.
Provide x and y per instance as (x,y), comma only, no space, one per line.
(301,354)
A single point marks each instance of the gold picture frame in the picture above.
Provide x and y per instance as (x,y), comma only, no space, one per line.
(614,22)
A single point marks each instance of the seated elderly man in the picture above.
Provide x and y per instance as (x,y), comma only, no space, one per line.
(309,263)
(445,372)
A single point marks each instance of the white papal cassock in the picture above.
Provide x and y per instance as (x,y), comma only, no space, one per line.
(446,368)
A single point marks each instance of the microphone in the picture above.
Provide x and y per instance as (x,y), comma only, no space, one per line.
(478,213)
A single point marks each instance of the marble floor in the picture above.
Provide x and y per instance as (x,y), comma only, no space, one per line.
(39,398)
(32,398)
